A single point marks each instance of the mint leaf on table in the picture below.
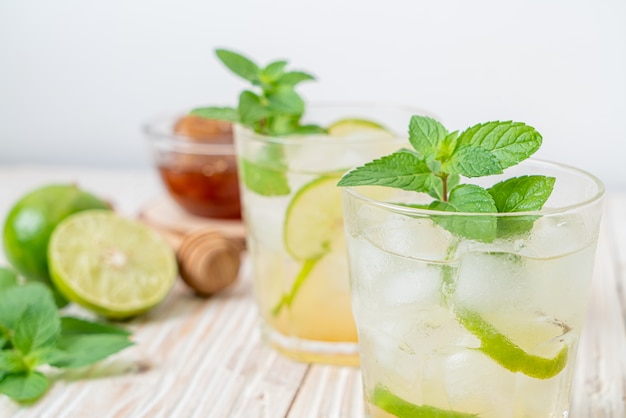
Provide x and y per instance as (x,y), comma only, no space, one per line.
(8,278)
(33,334)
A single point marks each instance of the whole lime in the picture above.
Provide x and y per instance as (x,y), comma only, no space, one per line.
(32,219)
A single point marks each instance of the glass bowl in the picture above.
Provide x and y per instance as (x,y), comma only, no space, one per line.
(195,158)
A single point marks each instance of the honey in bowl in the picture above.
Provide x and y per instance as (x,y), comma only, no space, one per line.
(201,179)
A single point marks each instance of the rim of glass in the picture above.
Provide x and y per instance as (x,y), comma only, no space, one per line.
(299,139)
(429,212)
(159,131)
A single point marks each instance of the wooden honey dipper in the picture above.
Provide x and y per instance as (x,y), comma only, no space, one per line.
(208,260)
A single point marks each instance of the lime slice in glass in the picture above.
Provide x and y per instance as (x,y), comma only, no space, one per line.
(347,127)
(114,266)
(314,219)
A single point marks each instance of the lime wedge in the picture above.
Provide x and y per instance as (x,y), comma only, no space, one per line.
(116,267)
(400,408)
(314,219)
(347,127)
(520,351)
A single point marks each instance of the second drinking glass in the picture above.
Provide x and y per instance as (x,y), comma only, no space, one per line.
(293,213)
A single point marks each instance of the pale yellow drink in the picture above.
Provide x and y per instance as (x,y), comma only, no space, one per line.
(293,214)
(458,328)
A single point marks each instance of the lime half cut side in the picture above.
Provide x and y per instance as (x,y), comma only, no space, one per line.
(115,266)
(348,127)
(314,219)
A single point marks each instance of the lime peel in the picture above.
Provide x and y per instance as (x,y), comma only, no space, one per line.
(397,406)
(508,354)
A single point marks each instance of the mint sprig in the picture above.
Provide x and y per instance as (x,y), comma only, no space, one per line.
(272,106)
(440,158)
(33,334)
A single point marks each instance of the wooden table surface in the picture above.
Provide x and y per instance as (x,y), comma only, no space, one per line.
(197,357)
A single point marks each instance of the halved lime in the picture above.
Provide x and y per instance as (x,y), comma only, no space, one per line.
(347,127)
(314,218)
(115,266)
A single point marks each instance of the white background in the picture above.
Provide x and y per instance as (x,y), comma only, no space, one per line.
(78,77)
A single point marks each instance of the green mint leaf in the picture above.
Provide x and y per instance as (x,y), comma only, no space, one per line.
(8,278)
(83,350)
(522,194)
(15,300)
(264,180)
(227,114)
(24,387)
(239,64)
(468,198)
(309,130)
(426,135)
(285,100)
(39,326)
(12,361)
(510,142)
(403,170)
(78,326)
(273,72)
(400,408)
(292,78)
(282,124)
(250,109)
(472,161)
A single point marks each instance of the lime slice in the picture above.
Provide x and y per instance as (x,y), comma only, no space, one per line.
(534,349)
(400,408)
(114,266)
(347,127)
(314,218)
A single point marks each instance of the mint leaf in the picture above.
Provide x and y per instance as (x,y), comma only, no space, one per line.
(227,114)
(12,361)
(292,78)
(263,180)
(15,300)
(39,326)
(250,109)
(8,278)
(472,161)
(78,326)
(24,387)
(468,198)
(403,170)
(82,350)
(273,71)
(426,135)
(239,64)
(285,100)
(522,194)
(510,142)
(309,129)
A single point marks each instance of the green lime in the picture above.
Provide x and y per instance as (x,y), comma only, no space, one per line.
(532,348)
(32,219)
(347,127)
(115,266)
(314,218)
